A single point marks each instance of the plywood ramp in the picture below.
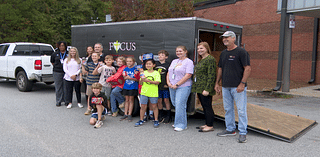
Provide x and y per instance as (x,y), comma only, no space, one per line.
(270,122)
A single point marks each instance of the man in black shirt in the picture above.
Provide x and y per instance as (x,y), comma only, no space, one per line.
(234,70)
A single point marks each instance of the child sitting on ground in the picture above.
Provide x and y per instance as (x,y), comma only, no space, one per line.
(97,101)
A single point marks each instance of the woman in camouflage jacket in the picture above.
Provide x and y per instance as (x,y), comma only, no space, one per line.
(203,83)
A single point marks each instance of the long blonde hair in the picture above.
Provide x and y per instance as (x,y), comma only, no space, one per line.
(76,57)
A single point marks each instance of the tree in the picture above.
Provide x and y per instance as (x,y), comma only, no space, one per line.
(128,10)
(46,21)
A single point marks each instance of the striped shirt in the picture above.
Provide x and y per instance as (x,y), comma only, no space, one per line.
(90,66)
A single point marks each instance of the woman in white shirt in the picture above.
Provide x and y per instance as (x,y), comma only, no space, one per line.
(71,67)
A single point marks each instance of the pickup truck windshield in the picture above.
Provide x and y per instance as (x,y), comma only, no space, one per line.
(32,50)
(3,49)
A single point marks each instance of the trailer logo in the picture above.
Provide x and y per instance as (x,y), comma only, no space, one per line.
(123,46)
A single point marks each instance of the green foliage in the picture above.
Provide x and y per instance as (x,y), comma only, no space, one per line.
(129,10)
(47,21)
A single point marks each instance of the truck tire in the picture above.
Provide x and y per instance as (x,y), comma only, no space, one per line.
(48,83)
(136,108)
(22,82)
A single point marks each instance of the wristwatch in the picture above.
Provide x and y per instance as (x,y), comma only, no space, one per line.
(177,85)
(243,82)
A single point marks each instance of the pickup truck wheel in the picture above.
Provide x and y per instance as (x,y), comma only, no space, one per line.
(48,83)
(23,84)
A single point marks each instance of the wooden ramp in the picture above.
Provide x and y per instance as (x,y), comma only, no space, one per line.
(270,122)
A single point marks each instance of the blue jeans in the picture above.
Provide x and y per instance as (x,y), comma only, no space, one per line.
(116,96)
(179,98)
(230,95)
(60,88)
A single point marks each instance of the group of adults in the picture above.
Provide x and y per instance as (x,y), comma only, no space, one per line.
(68,72)
(232,72)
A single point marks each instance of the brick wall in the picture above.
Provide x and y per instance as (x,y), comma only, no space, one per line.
(261,29)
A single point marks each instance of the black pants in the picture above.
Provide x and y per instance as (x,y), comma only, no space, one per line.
(69,91)
(206,103)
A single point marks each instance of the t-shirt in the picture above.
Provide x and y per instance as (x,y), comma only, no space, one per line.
(93,98)
(178,69)
(130,84)
(163,70)
(91,78)
(151,90)
(232,64)
(106,72)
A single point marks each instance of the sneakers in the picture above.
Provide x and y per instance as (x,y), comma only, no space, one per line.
(115,114)
(151,117)
(87,112)
(69,106)
(98,124)
(156,124)
(130,118)
(179,129)
(80,105)
(242,139)
(139,123)
(109,113)
(124,117)
(121,105)
(145,119)
(226,133)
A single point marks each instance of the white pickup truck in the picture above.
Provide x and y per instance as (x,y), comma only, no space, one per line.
(27,63)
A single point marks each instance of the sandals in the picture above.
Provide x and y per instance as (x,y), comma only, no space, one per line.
(207,130)
(201,127)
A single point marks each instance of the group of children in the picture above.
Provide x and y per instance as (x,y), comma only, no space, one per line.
(106,85)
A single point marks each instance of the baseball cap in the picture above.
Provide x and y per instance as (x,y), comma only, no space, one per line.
(228,34)
(147,56)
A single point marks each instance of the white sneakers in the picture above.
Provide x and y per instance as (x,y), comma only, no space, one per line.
(80,106)
(178,129)
(70,105)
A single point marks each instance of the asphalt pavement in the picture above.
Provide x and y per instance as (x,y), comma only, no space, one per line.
(33,126)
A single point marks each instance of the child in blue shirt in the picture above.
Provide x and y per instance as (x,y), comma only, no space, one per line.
(130,88)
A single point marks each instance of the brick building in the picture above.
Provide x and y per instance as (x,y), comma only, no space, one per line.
(261,32)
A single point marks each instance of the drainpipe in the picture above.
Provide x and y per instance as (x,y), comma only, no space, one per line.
(281,43)
(314,49)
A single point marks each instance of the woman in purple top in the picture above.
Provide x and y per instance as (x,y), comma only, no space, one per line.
(179,82)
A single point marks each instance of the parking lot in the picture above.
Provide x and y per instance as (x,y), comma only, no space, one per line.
(33,126)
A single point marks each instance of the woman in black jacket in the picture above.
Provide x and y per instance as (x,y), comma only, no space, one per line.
(57,61)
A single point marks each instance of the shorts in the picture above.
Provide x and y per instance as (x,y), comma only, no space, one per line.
(164,94)
(95,115)
(106,91)
(89,90)
(144,100)
(130,92)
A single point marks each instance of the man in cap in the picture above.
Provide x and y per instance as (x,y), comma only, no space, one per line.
(234,70)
